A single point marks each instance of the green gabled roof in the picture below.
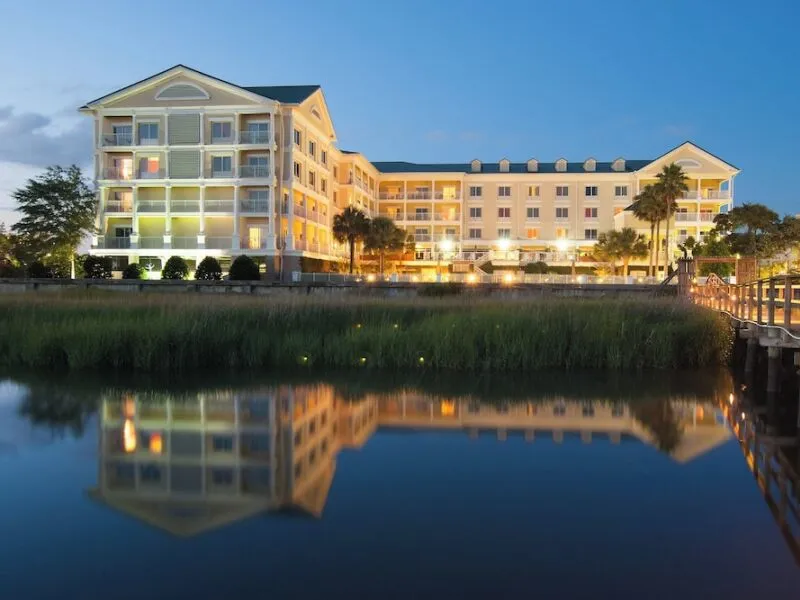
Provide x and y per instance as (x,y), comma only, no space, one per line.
(288,94)
(572,167)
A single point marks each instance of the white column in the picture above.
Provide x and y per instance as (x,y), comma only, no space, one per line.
(236,244)
(135,218)
(201,236)
(168,220)
(730,193)
(134,137)
(289,177)
(202,128)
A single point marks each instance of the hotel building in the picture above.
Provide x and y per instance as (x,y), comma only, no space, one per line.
(191,165)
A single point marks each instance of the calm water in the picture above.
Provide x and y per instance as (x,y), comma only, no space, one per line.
(576,486)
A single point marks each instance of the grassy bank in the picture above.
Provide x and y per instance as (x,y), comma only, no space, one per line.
(174,333)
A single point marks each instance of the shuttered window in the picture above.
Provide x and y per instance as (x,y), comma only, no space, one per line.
(184,164)
(184,129)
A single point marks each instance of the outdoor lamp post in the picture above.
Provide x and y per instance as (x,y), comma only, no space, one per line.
(445,245)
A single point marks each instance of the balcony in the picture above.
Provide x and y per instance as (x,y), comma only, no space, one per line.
(219,173)
(254,171)
(299,211)
(254,137)
(220,206)
(117,139)
(422,237)
(253,206)
(419,196)
(418,216)
(190,206)
(247,243)
(394,216)
(391,196)
(219,242)
(448,196)
(692,217)
(151,242)
(117,173)
(119,206)
(184,242)
(706,195)
(151,206)
(447,217)
(151,174)
(113,242)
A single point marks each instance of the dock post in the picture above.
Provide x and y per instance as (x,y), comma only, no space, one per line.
(773,368)
(752,352)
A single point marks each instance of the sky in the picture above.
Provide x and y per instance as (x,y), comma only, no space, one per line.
(434,80)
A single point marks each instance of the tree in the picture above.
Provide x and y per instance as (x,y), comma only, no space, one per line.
(97,267)
(208,270)
(535,268)
(713,246)
(351,226)
(175,268)
(688,246)
(751,229)
(384,236)
(648,207)
(244,268)
(133,271)
(671,185)
(623,245)
(58,209)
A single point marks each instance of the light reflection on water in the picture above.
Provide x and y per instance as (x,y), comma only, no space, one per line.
(614,461)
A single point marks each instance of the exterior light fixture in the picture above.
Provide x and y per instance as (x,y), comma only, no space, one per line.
(472,278)
(508,278)
(503,244)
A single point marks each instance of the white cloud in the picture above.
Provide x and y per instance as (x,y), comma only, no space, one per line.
(36,139)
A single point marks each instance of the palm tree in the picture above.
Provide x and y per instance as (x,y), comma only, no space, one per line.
(383,235)
(623,245)
(671,185)
(350,225)
(647,207)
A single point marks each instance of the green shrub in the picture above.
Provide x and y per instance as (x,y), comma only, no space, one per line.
(244,268)
(133,271)
(535,268)
(38,270)
(208,270)
(437,290)
(97,267)
(176,268)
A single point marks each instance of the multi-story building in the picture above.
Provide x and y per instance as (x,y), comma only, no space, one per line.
(192,165)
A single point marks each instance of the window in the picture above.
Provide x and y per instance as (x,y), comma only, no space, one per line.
(562,233)
(221,165)
(617,410)
(323,157)
(590,234)
(504,191)
(591,190)
(559,410)
(323,185)
(298,470)
(504,233)
(475,191)
(475,212)
(312,178)
(150,473)
(475,234)
(421,213)
(298,438)
(590,213)
(312,149)
(533,191)
(335,172)
(532,233)
(123,232)
(297,169)
(222,476)
(297,137)
(620,190)
(562,190)
(587,409)
(221,131)
(222,443)
(121,135)
(504,212)
(148,134)
(562,213)
(149,167)
(532,212)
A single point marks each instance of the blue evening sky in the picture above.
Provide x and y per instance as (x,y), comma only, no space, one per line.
(429,80)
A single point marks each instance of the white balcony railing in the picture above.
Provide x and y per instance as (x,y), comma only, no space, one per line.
(419,196)
(254,137)
(419,216)
(184,242)
(254,171)
(113,242)
(447,217)
(219,173)
(691,217)
(184,206)
(299,211)
(117,139)
(223,139)
(119,206)
(706,195)
(219,242)
(151,206)
(151,242)
(247,243)
(392,196)
(395,216)
(253,206)
(117,173)
(443,196)
(223,206)
(150,174)
(422,237)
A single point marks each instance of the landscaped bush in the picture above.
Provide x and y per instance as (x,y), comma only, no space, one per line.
(535,268)
(244,268)
(38,270)
(97,267)
(437,290)
(133,271)
(208,270)
(175,268)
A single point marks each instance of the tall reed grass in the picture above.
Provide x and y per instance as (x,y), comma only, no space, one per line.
(170,333)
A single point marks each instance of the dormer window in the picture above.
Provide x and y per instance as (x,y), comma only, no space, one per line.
(618,165)
(561,165)
(533,165)
(476,166)
(504,165)
(590,164)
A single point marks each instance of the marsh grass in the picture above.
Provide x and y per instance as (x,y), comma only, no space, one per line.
(174,333)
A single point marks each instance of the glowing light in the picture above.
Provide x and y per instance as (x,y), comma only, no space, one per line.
(639,279)
(397,326)
(414,278)
(581,278)
(156,443)
(733,298)
(562,245)
(503,244)
(448,408)
(370,278)
(472,278)
(304,359)
(421,360)
(744,416)
(129,436)
(358,325)
(446,245)
(129,408)
(362,360)
(691,290)
(508,278)
(730,398)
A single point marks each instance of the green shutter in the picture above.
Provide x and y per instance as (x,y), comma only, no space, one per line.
(184,129)
(184,164)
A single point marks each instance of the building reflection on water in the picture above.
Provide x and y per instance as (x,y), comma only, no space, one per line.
(191,463)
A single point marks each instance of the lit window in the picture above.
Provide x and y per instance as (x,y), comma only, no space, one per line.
(532,233)
(562,233)
(533,191)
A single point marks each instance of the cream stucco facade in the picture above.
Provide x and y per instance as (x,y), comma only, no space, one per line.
(192,165)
